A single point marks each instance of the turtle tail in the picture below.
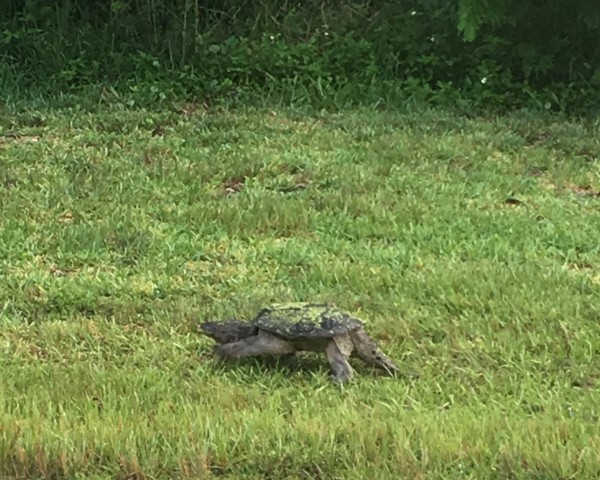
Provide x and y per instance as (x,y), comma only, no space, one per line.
(228,331)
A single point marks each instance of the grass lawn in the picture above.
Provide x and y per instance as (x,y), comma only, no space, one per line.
(469,246)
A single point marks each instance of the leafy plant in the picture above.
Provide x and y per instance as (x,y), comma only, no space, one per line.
(489,53)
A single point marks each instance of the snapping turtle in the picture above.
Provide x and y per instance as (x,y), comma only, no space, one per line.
(282,329)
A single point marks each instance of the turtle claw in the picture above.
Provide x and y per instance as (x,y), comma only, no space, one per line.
(339,379)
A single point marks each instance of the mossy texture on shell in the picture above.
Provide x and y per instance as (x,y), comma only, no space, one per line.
(312,320)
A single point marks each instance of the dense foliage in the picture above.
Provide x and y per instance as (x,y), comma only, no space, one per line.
(492,53)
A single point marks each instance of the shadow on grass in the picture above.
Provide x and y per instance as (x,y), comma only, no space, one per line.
(303,365)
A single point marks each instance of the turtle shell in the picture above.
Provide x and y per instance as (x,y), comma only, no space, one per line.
(306,320)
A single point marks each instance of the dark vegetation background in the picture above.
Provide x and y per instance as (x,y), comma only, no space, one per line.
(473,54)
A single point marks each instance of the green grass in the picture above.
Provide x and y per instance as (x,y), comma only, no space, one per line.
(118,237)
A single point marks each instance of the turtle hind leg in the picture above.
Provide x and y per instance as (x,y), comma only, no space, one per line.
(257,345)
(337,354)
(368,351)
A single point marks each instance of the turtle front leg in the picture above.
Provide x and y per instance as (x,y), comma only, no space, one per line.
(342,371)
(257,345)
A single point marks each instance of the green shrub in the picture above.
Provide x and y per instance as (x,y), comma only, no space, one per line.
(477,53)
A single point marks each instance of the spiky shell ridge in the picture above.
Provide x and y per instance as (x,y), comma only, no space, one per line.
(306,320)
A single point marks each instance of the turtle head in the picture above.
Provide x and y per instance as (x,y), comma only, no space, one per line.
(368,351)
(382,361)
